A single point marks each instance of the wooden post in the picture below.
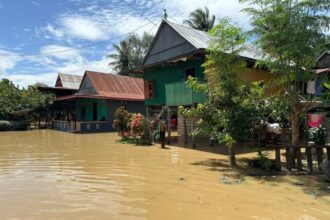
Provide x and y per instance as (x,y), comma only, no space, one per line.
(185,132)
(288,158)
(319,155)
(293,157)
(192,129)
(309,158)
(232,157)
(148,112)
(169,125)
(328,153)
(278,158)
(298,156)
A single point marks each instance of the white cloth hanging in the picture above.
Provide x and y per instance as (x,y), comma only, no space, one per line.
(311,87)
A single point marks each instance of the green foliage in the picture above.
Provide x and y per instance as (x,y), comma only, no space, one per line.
(291,34)
(264,161)
(146,137)
(23,104)
(233,107)
(122,117)
(130,53)
(201,19)
(318,135)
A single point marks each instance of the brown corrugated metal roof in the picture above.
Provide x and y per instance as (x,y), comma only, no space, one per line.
(112,86)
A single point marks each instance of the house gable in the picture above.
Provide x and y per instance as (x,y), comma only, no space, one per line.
(168,44)
(86,87)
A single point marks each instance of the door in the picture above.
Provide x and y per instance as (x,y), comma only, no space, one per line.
(95,111)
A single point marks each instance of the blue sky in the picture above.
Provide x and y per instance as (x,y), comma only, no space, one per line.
(34,31)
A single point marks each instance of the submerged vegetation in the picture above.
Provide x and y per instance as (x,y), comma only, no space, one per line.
(23,106)
(132,127)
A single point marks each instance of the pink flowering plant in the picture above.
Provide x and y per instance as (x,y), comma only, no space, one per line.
(136,124)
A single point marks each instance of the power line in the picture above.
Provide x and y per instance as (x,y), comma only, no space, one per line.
(135,9)
(79,48)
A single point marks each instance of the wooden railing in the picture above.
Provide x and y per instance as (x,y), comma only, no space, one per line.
(293,155)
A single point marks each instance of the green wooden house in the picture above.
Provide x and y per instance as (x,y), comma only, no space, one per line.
(176,53)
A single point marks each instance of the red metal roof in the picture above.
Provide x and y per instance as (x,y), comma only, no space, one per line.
(110,86)
(116,86)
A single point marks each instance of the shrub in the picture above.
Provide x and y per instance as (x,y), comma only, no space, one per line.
(146,137)
(136,124)
(317,135)
(121,121)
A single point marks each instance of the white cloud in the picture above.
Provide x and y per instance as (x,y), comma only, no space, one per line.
(60,52)
(8,60)
(24,80)
(83,28)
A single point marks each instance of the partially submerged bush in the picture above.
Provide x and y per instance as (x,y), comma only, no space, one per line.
(122,117)
(14,125)
(317,135)
(4,125)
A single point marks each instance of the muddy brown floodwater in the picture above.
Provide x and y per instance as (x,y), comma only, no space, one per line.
(54,175)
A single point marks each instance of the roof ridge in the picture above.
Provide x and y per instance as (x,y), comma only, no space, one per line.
(69,74)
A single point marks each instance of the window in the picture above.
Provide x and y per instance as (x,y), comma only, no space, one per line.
(190,72)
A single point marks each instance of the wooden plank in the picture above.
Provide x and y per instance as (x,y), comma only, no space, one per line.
(298,156)
(278,158)
(309,158)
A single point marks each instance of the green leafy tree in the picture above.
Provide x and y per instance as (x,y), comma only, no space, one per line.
(129,53)
(233,107)
(291,34)
(201,19)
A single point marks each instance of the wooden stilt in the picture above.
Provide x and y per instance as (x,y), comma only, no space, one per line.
(192,129)
(293,157)
(309,158)
(328,153)
(169,125)
(298,156)
(288,158)
(185,132)
(319,156)
(278,158)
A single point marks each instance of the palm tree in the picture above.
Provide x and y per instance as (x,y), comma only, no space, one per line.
(200,19)
(129,54)
(121,58)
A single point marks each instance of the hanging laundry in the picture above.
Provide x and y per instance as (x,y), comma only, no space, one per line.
(314,120)
(311,87)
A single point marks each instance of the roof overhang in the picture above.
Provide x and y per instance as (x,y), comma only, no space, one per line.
(96,96)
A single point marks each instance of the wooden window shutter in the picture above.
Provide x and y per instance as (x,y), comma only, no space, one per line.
(147,90)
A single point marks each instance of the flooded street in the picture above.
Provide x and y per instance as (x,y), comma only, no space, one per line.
(54,175)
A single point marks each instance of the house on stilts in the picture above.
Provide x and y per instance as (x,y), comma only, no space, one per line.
(176,53)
